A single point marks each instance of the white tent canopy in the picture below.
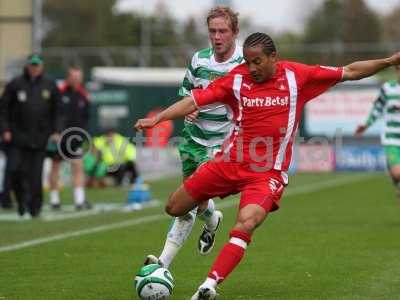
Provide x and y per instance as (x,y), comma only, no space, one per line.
(138,76)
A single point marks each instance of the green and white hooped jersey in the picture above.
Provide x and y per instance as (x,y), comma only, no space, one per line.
(388,106)
(213,123)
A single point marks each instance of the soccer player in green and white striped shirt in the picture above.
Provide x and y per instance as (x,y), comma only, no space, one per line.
(387,106)
(205,130)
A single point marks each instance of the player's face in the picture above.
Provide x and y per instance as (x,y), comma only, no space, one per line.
(221,36)
(261,66)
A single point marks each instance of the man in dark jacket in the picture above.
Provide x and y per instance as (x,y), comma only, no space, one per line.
(29,115)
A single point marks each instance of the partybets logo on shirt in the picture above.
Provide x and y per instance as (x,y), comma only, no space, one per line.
(266,101)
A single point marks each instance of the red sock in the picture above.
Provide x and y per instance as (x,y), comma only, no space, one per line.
(230,255)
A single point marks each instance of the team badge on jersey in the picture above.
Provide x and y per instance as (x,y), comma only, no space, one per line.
(21,96)
(45,94)
(281,84)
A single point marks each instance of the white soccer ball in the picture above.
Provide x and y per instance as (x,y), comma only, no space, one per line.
(154,282)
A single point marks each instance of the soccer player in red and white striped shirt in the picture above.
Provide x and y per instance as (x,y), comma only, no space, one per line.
(266,97)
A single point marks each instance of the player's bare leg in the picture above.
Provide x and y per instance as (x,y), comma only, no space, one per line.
(394,172)
(78,184)
(248,219)
(180,229)
(54,184)
(180,203)
(176,237)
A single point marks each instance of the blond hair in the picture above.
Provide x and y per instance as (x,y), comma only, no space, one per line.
(227,13)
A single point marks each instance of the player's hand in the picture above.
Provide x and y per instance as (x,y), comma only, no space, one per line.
(395,59)
(360,130)
(145,123)
(192,117)
(7,136)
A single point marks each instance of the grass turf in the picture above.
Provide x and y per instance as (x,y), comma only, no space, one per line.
(330,240)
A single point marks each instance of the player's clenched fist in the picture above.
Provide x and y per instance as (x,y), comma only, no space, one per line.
(145,123)
(395,59)
(360,130)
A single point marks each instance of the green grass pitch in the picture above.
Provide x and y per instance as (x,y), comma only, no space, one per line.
(336,236)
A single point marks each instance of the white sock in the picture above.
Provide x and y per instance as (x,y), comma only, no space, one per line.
(54,197)
(209,216)
(169,252)
(209,282)
(79,195)
(177,235)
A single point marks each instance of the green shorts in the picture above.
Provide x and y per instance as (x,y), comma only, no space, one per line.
(193,154)
(392,155)
(92,167)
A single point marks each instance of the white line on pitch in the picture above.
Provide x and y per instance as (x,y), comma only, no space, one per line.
(82,232)
(314,187)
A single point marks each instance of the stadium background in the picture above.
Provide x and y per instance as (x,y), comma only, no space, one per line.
(134,62)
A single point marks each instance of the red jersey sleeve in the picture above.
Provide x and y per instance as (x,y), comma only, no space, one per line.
(319,79)
(219,90)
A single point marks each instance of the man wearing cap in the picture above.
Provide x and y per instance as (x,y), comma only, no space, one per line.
(29,115)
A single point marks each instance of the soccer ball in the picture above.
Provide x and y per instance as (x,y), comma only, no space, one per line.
(154,282)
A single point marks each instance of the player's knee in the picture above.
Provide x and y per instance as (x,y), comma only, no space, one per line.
(202,206)
(396,178)
(250,218)
(395,173)
(249,224)
(170,209)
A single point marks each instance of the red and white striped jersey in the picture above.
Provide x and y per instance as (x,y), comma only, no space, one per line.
(267,114)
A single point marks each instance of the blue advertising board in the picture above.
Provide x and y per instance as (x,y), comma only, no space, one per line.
(360,158)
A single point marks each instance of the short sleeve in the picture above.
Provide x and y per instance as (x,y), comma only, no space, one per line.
(219,90)
(319,79)
(188,82)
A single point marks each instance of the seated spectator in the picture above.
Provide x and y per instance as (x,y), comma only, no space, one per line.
(112,155)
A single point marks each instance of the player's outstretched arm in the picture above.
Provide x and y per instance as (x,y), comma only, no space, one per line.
(361,69)
(360,130)
(176,110)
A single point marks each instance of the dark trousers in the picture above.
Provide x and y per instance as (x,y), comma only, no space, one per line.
(125,169)
(5,198)
(24,172)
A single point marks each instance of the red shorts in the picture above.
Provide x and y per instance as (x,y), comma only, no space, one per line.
(219,178)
